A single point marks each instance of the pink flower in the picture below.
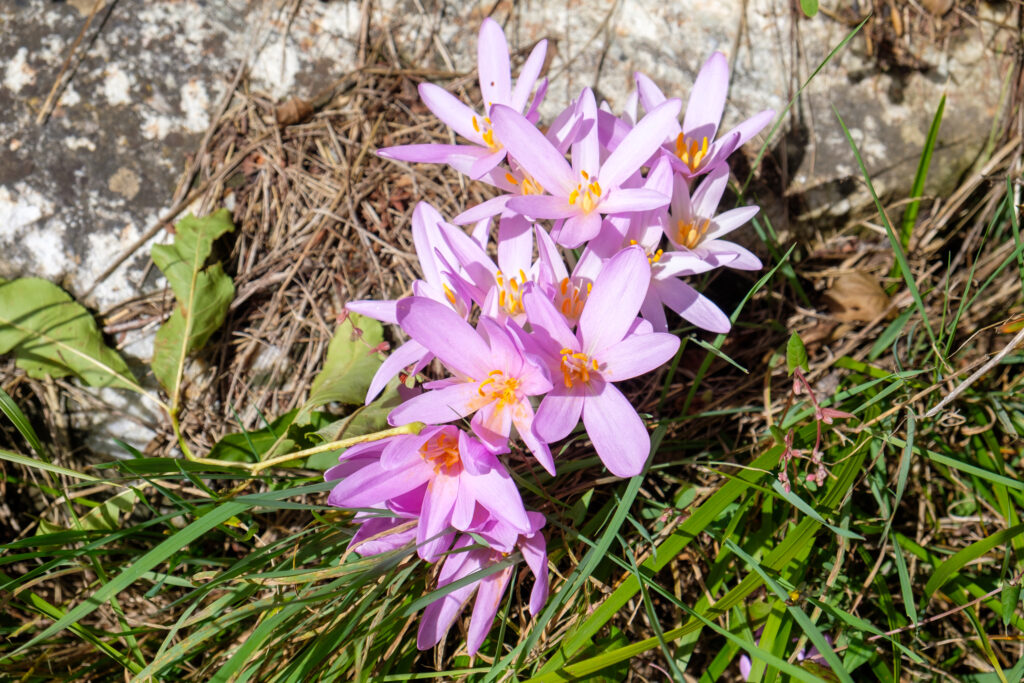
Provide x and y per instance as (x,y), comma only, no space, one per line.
(695,150)
(439,283)
(603,350)
(439,615)
(693,225)
(442,472)
(487,150)
(493,379)
(581,193)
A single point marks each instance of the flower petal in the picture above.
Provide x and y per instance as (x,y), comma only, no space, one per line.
(632,199)
(731,255)
(693,306)
(446,334)
(534,550)
(707,99)
(438,406)
(558,415)
(436,517)
(639,144)
(488,598)
(528,75)
(615,300)
(548,325)
(496,491)
(728,221)
(460,157)
(650,94)
(451,111)
(532,150)
(405,355)
(384,311)
(373,485)
(636,355)
(619,435)
(578,228)
(492,64)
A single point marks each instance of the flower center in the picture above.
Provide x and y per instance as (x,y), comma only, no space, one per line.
(528,185)
(510,292)
(690,152)
(587,193)
(498,387)
(571,296)
(689,234)
(652,256)
(576,367)
(487,133)
(442,452)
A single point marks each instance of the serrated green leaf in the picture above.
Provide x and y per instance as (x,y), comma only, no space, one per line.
(352,360)
(51,335)
(796,354)
(203,295)
(809,7)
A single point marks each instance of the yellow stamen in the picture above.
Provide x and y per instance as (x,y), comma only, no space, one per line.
(442,451)
(576,367)
(690,234)
(691,152)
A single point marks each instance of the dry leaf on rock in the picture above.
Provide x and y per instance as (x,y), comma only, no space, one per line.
(295,110)
(856,296)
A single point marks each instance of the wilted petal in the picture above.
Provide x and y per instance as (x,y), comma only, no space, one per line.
(619,435)
(636,355)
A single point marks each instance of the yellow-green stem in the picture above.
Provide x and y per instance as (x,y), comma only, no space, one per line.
(411,428)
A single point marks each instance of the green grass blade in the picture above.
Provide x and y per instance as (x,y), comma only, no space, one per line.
(917,189)
(948,569)
(901,258)
(40,465)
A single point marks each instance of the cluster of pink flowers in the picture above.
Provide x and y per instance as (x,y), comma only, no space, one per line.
(637,197)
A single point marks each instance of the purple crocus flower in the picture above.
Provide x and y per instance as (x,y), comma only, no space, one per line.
(601,352)
(695,150)
(693,225)
(440,282)
(493,379)
(487,150)
(666,289)
(581,193)
(439,615)
(442,471)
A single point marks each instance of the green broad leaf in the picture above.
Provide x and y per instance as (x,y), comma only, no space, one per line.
(796,354)
(107,517)
(51,335)
(352,360)
(1010,601)
(203,294)
(251,446)
(809,7)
